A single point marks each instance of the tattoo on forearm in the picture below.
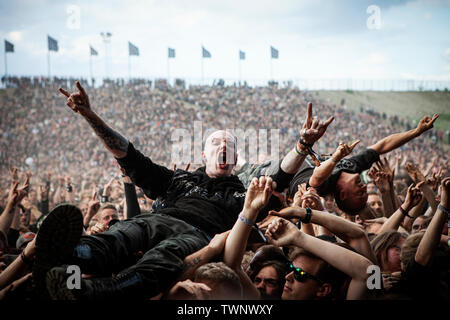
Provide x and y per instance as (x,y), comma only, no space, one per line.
(112,139)
(191,263)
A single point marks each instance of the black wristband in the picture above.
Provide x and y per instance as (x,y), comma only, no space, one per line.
(405,213)
(25,259)
(308,215)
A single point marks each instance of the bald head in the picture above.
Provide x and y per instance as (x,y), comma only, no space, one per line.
(220,154)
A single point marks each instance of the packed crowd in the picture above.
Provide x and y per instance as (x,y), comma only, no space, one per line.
(49,157)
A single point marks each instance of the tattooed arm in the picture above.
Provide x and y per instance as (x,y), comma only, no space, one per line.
(203,256)
(112,140)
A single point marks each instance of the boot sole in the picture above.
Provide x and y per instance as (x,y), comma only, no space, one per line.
(58,235)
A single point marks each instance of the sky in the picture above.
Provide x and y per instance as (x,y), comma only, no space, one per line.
(321,39)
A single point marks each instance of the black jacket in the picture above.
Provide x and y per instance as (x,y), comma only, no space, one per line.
(210,204)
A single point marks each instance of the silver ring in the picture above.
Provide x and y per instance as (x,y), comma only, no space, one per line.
(303,132)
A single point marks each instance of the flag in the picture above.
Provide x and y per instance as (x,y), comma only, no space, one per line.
(9,47)
(171,53)
(273,53)
(93,51)
(52,44)
(241,55)
(132,49)
(205,53)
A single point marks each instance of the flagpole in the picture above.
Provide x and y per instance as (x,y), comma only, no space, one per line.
(168,69)
(271,70)
(129,68)
(90,65)
(240,73)
(48,64)
(6,64)
(202,70)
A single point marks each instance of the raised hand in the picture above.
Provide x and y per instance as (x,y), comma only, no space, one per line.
(282,232)
(414,172)
(311,199)
(435,180)
(426,123)
(383,166)
(413,196)
(258,193)
(98,228)
(343,150)
(13,172)
(78,101)
(93,205)
(445,193)
(17,194)
(312,130)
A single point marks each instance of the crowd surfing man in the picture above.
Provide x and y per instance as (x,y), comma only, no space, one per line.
(192,208)
(341,177)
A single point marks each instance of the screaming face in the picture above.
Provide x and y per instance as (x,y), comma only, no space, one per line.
(220,154)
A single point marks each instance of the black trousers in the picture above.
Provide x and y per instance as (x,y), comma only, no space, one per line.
(164,241)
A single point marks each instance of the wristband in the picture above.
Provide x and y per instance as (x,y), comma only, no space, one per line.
(104,199)
(246,221)
(311,152)
(334,160)
(441,207)
(308,216)
(302,153)
(405,213)
(25,259)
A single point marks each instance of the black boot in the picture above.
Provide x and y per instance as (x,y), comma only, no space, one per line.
(57,237)
(124,286)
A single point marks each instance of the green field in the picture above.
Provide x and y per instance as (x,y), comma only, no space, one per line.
(411,105)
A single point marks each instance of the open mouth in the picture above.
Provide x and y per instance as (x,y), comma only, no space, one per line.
(222,160)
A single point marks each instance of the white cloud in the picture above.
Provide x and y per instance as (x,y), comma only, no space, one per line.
(15,35)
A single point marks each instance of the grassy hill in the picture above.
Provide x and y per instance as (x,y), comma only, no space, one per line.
(411,105)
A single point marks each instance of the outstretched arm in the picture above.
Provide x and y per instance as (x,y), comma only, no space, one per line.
(432,236)
(413,198)
(324,171)
(350,232)
(112,140)
(398,139)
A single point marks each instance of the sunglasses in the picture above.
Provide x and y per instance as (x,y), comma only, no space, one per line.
(301,275)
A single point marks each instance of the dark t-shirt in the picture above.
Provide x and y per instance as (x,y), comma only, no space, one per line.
(355,164)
